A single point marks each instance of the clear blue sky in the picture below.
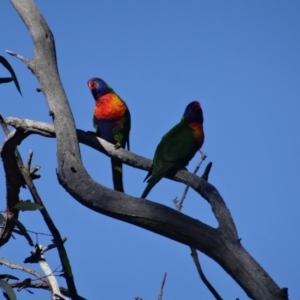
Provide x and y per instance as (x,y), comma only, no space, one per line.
(241,60)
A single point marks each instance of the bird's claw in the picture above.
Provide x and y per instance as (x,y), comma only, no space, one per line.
(117,146)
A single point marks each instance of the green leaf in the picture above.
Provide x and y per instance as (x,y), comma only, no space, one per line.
(25,205)
(6,64)
(17,232)
(23,230)
(7,276)
(2,219)
(8,290)
(6,79)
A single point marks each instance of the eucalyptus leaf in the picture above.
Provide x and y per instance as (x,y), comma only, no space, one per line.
(6,64)
(8,290)
(23,230)
(7,276)
(28,206)
(2,219)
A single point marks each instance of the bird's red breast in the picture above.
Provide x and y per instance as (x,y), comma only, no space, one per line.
(197,132)
(110,107)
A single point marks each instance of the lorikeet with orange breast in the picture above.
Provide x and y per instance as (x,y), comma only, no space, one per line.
(112,122)
(178,146)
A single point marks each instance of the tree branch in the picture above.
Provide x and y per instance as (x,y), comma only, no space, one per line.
(39,285)
(202,275)
(206,190)
(160,295)
(12,164)
(220,244)
(24,269)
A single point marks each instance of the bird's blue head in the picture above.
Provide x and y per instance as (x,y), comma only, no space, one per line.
(193,113)
(98,87)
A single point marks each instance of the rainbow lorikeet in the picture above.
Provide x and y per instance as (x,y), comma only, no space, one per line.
(178,146)
(112,122)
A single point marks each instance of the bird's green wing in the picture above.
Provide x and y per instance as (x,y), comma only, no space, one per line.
(95,123)
(121,130)
(177,144)
(175,150)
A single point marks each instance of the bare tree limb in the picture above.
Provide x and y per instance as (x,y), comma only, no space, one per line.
(166,221)
(51,277)
(24,269)
(46,281)
(220,244)
(38,285)
(12,163)
(160,295)
(200,185)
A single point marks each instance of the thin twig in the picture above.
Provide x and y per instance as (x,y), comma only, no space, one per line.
(201,274)
(23,59)
(31,231)
(29,160)
(162,287)
(179,203)
(37,285)
(206,171)
(24,269)
(3,125)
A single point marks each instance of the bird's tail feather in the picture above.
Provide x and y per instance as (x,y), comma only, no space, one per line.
(117,175)
(151,183)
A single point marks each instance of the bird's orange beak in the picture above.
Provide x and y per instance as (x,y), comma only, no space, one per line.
(91,85)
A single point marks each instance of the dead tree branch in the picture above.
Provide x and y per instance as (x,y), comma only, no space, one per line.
(222,241)
(12,163)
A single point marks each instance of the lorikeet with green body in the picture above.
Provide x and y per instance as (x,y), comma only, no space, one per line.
(112,122)
(178,146)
